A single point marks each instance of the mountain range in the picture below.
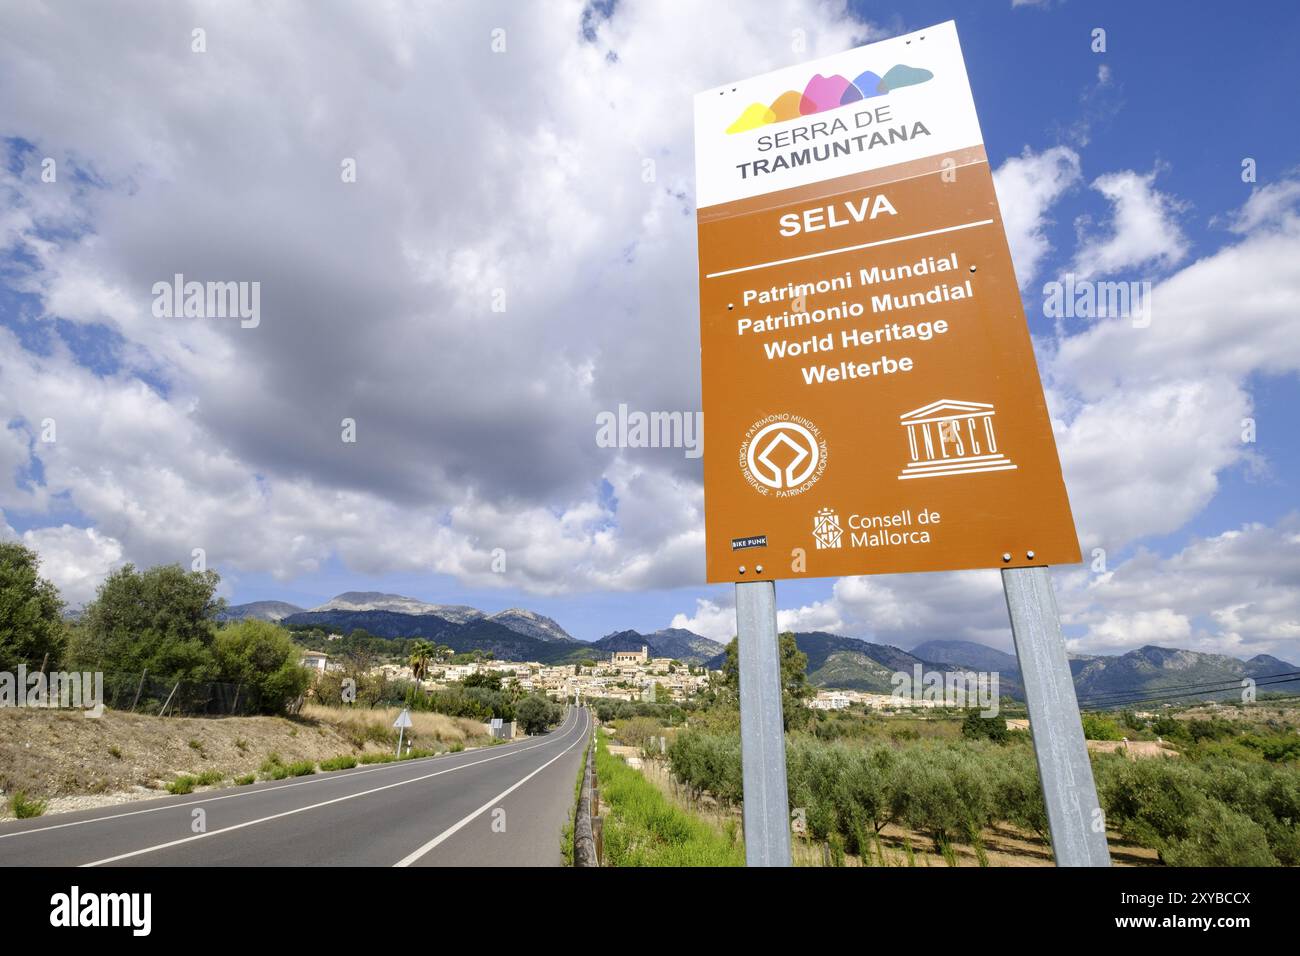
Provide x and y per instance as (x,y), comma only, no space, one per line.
(834,661)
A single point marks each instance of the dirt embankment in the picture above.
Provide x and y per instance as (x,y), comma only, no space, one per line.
(74,762)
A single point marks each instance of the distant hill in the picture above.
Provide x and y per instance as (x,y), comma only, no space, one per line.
(967,654)
(378,601)
(478,634)
(1153,671)
(675,642)
(261,610)
(847,663)
(532,624)
(519,620)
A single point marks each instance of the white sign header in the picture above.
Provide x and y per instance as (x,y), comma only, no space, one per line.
(885,103)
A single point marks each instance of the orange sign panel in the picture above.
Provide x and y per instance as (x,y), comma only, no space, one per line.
(871,399)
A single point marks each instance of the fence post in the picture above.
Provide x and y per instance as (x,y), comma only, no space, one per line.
(167,703)
(139,687)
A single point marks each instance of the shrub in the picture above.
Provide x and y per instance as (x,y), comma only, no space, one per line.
(301,768)
(977,727)
(377,758)
(24,807)
(182,784)
(273,768)
(245,780)
(343,762)
(1218,836)
(209,777)
(1100,727)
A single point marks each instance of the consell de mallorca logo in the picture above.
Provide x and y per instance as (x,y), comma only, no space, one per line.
(827,93)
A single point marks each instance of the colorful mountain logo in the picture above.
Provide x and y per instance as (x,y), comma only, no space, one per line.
(827,93)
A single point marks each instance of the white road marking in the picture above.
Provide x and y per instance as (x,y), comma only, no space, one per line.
(412,857)
(313,806)
(327,778)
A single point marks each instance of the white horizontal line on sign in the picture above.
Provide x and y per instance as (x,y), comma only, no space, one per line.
(864,245)
(963,471)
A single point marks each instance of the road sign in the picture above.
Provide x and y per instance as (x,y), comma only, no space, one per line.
(871,398)
(402,722)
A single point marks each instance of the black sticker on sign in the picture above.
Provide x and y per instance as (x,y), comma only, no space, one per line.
(756,541)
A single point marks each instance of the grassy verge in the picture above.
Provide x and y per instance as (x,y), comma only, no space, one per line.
(642,828)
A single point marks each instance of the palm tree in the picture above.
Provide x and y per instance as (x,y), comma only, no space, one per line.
(422,652)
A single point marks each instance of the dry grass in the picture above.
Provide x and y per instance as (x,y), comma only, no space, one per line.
(427,729)
(78,762)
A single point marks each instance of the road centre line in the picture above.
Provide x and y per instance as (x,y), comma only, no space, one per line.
(454,828)
(312,806)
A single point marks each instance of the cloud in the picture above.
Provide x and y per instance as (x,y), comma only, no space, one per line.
(474,426)
(1236,593)
(75,559)
(1149,417)
(710,619)
(1145,460)
(1027,187)
(1144,229)
(1272,205)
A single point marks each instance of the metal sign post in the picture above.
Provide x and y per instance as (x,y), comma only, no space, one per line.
(762,729)
(1073,812)
(401,723)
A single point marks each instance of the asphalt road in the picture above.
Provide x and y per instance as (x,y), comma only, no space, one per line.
(500,806)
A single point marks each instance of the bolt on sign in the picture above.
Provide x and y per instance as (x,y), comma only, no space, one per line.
(871,398)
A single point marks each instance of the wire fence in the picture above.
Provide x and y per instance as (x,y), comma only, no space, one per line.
(143,694)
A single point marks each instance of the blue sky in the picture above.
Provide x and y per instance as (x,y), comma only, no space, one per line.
(476,426)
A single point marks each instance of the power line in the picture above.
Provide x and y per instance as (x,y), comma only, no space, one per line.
(1141,698)
(1221,682)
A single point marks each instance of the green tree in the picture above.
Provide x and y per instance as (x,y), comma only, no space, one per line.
(264,659)
(31,622)
(422,655)
(536,713)
(977,727)
(795,689)
(162,619)
(488,679)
